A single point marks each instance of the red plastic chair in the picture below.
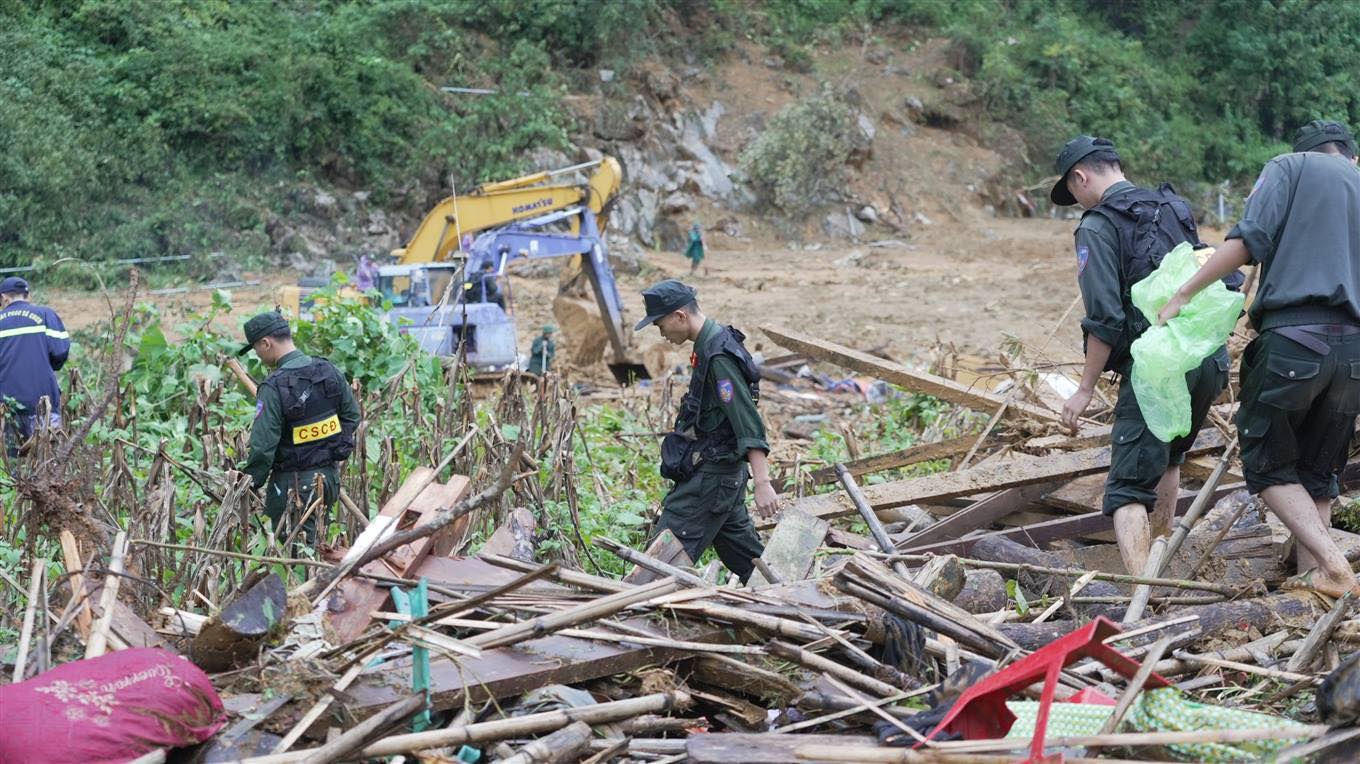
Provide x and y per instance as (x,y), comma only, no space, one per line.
(981,713)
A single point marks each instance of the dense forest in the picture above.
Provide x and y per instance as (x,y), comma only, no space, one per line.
(136,128)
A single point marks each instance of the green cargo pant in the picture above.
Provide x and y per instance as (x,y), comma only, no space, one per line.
(288,496)
(709,509)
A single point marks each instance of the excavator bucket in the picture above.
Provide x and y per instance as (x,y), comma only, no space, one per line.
(628,373)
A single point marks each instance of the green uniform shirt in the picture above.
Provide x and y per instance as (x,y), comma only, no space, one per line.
(726,396)
(541,354)
(267,430)
(1100,272)
(1306,237)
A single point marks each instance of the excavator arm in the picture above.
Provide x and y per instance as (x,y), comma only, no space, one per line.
(501,203)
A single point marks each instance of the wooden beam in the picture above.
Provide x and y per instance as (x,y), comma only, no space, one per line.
(762,748)
(979,515)
(944,449)
(1020,471)
(916,381)
(1061,528)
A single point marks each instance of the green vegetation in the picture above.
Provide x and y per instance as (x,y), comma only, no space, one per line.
(802,153)
(163,127)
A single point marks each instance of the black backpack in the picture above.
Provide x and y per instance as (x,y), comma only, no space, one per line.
(1150,223)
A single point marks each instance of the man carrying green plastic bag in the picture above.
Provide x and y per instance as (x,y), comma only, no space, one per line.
(1124,236)
(1163,355)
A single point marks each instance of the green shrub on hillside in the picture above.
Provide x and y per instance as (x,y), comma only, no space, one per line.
(801,154)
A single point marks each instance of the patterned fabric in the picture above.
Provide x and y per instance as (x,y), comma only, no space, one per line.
(1161,710)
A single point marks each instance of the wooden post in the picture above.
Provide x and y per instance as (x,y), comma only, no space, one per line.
(36,592)
(70,552)
(99,635)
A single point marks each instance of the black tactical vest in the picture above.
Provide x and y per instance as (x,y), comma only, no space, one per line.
(685,449)
(313,435)
(1150,224)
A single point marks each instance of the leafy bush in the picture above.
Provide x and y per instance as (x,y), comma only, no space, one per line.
(801,155)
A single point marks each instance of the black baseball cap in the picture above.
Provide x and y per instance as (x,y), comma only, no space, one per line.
(1321,131)
(664,298)
(1076,150)
(263,325)
(13,285)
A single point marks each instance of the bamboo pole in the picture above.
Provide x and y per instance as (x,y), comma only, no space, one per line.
(876,529)
(353,738)
(504,729)
(818,663)
(564,745)
(99,634)
(590,611)
(1151,567)
(35,591)
(1321,632)
(1197,507)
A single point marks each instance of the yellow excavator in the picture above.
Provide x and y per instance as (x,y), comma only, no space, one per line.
(468,241)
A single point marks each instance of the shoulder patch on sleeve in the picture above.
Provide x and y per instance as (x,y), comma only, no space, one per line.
(259,408)
(725,390)
(1083,255)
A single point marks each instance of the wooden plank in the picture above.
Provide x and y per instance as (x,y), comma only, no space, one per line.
(762,748)
(1084,494)
(355,599)
(944,449)
(915,381)
(1023,470)
(1200,467)
(979,515)
(666,548)
(1061,528)
(1090,437)
(789,552)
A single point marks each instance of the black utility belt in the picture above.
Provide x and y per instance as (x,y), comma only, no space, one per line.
(1303,335)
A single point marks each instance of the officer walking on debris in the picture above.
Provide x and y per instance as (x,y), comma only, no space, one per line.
(1122,238)
(1301,375)
(719,439)
(305,419)
(33,347)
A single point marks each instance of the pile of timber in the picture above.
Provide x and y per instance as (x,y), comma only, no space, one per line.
(838,636)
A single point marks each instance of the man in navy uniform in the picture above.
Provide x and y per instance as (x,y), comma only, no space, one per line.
(34,345)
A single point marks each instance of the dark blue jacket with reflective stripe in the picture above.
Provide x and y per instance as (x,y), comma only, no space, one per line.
(33,346)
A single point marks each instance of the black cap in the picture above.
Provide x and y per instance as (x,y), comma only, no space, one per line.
(12,285)
(1321,131)
(264,325)
(1076,150)
(664,298)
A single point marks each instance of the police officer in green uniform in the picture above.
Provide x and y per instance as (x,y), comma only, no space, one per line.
(718,442)
(542,352)
(1300,377)
(1123,236)
(305,419)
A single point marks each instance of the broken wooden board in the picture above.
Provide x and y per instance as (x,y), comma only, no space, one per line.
(349,607)
(792,546)
(666,548)
(1077,526)
(762,748)
(1089,437)
(980,515)
(1085,494)
(125,624)
(916,381)
(1021,471)
(944,449)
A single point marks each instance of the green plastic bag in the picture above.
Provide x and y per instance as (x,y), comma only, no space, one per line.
(1163,355)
